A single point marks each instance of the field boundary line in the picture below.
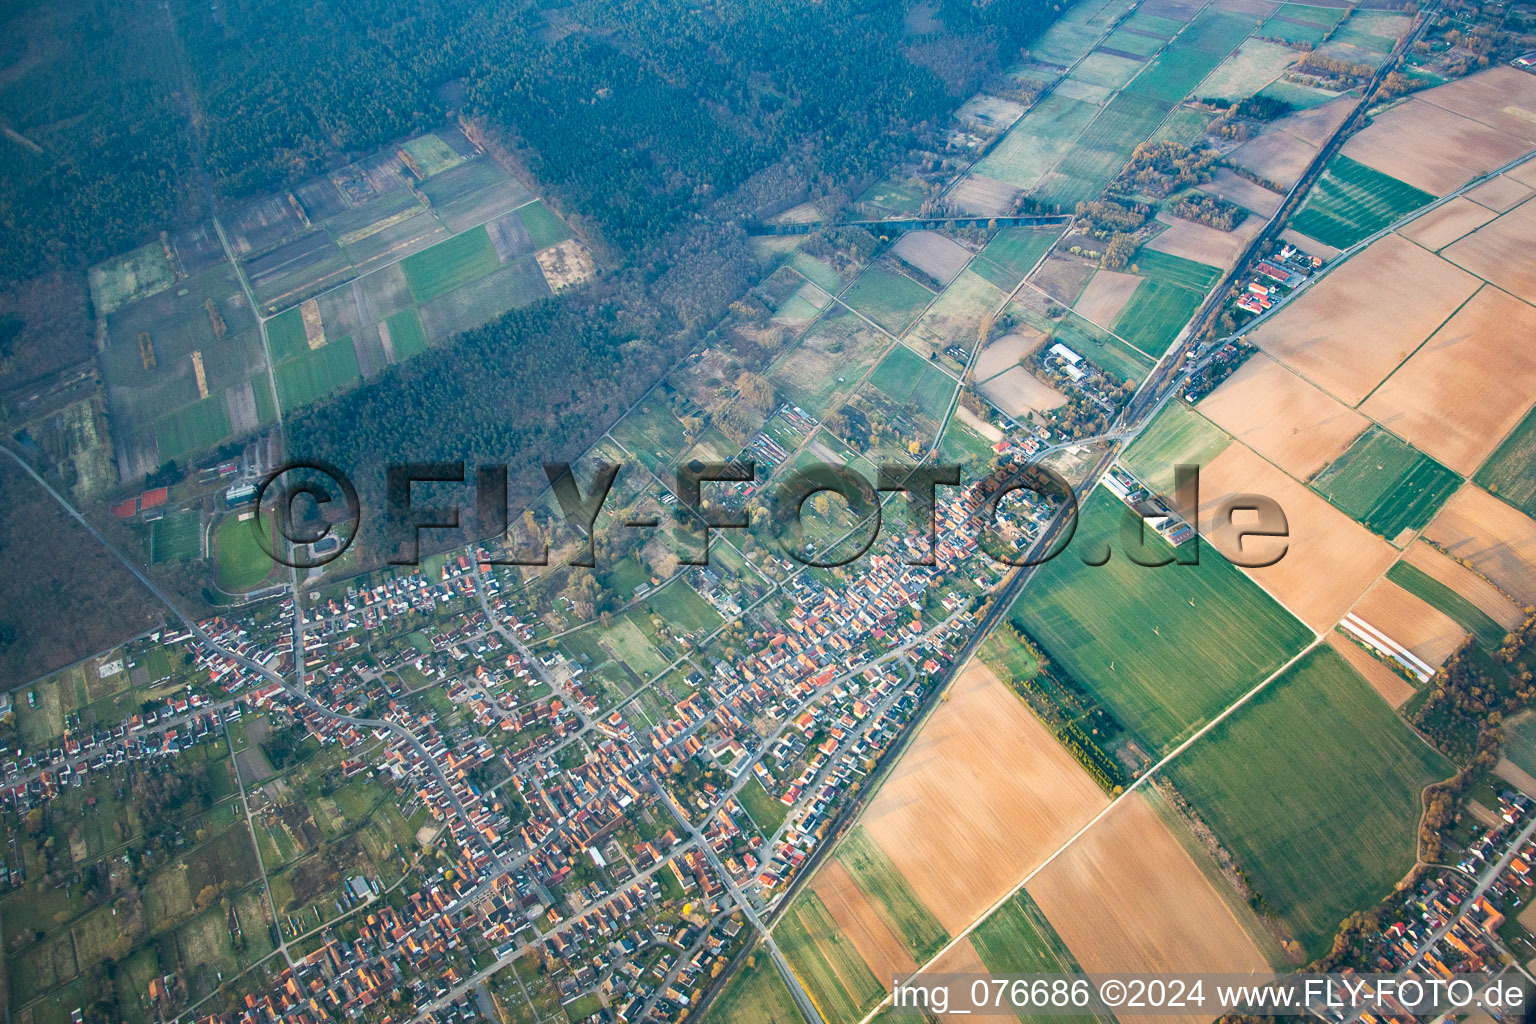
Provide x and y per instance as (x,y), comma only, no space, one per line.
(1317,640)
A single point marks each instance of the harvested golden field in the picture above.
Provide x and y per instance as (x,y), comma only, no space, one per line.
(962,958)
(1525,173)
(1444,224)
(1467,387)
(1393,688)
(1501,97)
(1501,194)
(1489,599)
(1128,897)
(1501,252)
(1350,330)
(964,821)
(1431,147)
(1229,186)
(1424,630)
(1106,294)
(858,919)
(1494,539)
(1062,277)
(1288,145)
(1329,558)
(1205,244)
(1288,421)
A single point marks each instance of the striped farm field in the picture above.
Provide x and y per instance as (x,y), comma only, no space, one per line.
(1463,612)
(1386,484)
(1314,786)
(825,961)
(1510,471)
(754,995)
(880,880)
(1017,939)
(1352,201)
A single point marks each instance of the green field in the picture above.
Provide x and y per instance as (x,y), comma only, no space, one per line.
(1018,939)
(239,563)
(1520,742)
(890,299)
(1298,23)
(1463,612)
(907,378)
(1103,149)
(1377,31)
(1012,253)
(1510,471)
(176,537)
(1169,269)
(1102,349)
(316,373)
(1314,787)
(1037,141)
(1155,314)
(194,427)
(826,961)
(1177,434)
(754,995)
(1352,201)
(544,227)
(682,607)
(1156,645)
(285,335)
(881,881)
(1386,484)
(406,337)
(448,265)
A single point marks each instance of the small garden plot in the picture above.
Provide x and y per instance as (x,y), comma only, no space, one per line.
(1293,780)
(891,299)
(908,380)
(176,537)
(1352,201)
(451,264)
(1385,484)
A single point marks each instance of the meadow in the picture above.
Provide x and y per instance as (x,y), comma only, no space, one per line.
(192,427)
(1012,253)
(315,374)
(907,379)
(1314,787)
(1177,434)
(451,264)
(1352,201)
(754,995)
(1386,484)
(1155,314)
(1510,471)
(890,299)
(1163,648)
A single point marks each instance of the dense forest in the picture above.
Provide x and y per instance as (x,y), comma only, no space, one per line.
(638,114)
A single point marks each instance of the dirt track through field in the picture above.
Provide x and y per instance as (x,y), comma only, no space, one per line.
(984,794)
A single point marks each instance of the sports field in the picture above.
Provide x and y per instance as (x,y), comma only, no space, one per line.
(176,537)
(1314,787)
(1156,645)
(1463,612)
(880,880)
(1352,201)
(825,960)
(906,378)
(239,562)
(890,299)
(463,258)
(1510,471)
(1386,484)
(1177,434)
(754,995)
